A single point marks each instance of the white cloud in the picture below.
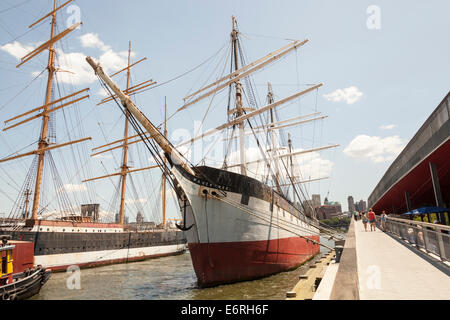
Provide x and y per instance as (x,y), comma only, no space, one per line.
(112,61)
(75,187)
(102,92)
(79,71)
(309,165)
(350,95)
(109,59)
(91,40)
(387,126)
(376,149)
(16,49)
(72,66)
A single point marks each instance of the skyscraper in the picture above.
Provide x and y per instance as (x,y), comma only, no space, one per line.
(362,205)
(316,200)
(351,204)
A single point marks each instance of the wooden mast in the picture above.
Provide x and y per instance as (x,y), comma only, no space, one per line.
(270,100)
(125,149)
(164,167)
(239,110)
(292,168)
(27,201)
(43,143)
(159,138)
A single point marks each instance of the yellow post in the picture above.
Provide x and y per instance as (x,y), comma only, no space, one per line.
(9,261)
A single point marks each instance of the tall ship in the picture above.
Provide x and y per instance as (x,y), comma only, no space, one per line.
(239,225)
(65,234)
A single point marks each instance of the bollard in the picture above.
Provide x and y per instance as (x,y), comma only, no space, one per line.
(291,294)
(338,250)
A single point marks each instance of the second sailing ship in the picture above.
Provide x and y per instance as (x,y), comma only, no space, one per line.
(76,238)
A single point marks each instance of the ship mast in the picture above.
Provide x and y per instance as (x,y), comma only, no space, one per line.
(125,169)
(292,169)
(164,178)
(27,201)
(239,111)
(270,100)
(43,140)
(240,116)
(125,148)
(43,144)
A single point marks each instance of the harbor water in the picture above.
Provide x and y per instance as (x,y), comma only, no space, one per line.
(167,278)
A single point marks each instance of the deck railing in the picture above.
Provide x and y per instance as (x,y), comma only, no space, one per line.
(433,238)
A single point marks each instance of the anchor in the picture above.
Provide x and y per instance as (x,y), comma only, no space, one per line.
(183,228)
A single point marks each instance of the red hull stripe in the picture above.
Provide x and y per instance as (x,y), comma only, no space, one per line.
(219,263)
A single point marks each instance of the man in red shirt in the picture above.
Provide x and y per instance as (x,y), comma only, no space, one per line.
(372,219)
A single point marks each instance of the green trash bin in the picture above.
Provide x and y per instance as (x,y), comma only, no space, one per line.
(338,250)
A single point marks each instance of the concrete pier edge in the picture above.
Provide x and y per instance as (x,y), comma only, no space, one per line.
(347,274)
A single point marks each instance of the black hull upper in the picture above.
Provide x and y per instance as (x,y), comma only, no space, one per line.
(237,183)
(47,243)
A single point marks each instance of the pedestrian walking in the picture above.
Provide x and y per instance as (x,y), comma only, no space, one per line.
(383,220)
(364,220)
(355,214)
(372,220)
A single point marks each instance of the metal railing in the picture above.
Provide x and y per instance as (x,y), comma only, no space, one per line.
(433,238)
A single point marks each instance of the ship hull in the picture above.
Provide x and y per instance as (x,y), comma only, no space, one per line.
(90,245)
(61,262)
(240,229)
(219,263)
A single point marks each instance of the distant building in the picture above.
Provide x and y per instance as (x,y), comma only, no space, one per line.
(125,219)
(139,217)
(361,206)
(316,200)
(91,211)
(329,211)
(351,204)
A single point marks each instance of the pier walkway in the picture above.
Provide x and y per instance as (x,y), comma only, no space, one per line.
(379,266)
(389,269)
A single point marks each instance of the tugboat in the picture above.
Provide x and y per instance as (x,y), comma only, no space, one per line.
(20,285)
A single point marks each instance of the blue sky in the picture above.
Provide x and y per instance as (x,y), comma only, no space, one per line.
(379,84)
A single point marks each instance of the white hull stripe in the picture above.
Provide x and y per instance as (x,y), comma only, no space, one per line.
(92,257)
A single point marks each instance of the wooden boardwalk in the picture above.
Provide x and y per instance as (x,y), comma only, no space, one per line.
(389,269)
(377,266)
